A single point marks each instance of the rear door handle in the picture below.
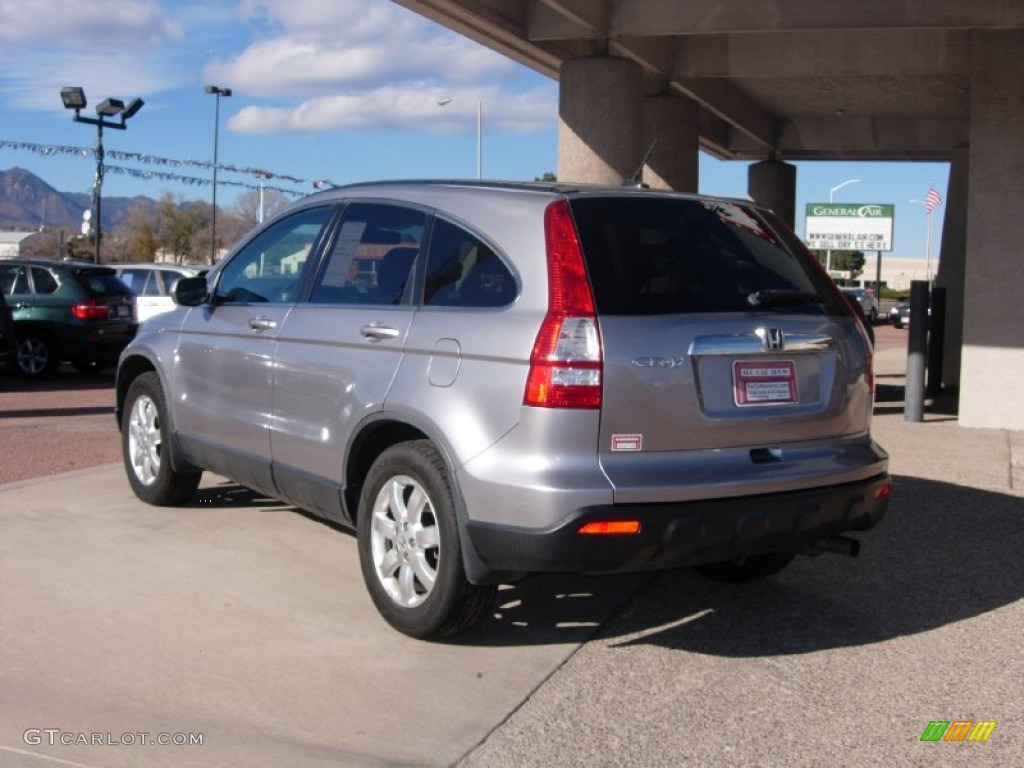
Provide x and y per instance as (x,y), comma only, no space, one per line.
(262,324)
(378,331)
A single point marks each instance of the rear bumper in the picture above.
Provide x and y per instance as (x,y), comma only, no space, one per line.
(685,533)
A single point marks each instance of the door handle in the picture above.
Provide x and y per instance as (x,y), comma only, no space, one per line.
(262,324)
(378,331)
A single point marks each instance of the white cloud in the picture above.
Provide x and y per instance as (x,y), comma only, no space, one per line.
(369,65)
(103,24)
(402,109)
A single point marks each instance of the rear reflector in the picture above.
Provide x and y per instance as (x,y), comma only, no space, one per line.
(883,492)
(612,527)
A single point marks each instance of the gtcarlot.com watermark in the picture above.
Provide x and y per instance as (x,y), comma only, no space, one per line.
(53,737)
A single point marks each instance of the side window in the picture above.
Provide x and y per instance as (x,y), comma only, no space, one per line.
(13,279)
(141,281)
(43,281)
(372,256)
(269,267)
(462,271)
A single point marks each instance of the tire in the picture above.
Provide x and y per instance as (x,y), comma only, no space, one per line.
(147,454)
(35,356)
(743,569)
(409,549)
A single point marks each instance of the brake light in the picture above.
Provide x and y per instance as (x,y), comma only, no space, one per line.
(565,365)
(90,309)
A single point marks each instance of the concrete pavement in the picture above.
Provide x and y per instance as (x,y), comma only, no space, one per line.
(247,622)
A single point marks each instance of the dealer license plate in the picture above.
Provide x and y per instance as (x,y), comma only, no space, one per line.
(764,382)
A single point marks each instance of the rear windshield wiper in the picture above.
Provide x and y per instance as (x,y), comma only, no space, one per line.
(776,297)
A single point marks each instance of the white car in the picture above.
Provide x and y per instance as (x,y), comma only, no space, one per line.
(152,285)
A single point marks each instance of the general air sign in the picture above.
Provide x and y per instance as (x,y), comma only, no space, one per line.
(849,227)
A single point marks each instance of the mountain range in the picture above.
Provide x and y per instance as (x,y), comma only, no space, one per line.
(28,203)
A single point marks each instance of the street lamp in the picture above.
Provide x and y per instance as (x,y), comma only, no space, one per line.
(217,91)
(831,193)
(74,98)
(479,131)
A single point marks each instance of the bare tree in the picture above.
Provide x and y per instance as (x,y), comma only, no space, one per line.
(247,206)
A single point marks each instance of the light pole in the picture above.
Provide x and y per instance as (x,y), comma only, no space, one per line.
(217,91)
(479,132)
(831,193)
(74,98)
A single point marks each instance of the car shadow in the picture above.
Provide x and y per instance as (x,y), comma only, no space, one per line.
(64,379)
(925,566)
(929,564)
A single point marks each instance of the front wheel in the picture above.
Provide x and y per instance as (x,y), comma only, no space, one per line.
(409,547)
(750,568)
(146,448)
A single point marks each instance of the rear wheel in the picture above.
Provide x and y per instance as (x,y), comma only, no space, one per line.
(147,450)
(409,546)
(35,354)
(750,568)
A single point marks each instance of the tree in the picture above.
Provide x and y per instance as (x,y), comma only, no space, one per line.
(247,206)
(179,225)
(547,176)
(138,234)
(842,261)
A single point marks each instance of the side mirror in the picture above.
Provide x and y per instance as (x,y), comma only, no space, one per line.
(190,291)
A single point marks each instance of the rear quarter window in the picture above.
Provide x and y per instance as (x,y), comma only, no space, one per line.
(103,282)
(650,256)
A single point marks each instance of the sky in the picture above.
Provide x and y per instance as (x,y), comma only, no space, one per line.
(338,90)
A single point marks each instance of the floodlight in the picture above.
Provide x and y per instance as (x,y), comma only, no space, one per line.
(73,97)
(109,107)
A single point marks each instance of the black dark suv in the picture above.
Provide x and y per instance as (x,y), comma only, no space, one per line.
(66,311)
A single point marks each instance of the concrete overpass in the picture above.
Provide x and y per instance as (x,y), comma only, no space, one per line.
(779,80)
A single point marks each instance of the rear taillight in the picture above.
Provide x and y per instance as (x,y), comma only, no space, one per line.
(90,309)
(565,366)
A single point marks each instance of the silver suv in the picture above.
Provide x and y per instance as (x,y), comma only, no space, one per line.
(491,380)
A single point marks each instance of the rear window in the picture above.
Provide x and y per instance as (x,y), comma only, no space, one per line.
(100,281)
(650,256)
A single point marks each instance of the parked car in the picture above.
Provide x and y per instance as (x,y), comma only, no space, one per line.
(7,339)
(152,285)
(491,380)
(66,311)
(866,299)
(899,315)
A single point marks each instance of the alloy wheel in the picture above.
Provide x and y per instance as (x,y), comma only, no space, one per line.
(405,542)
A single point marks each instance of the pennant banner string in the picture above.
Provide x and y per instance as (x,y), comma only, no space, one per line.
(48,150)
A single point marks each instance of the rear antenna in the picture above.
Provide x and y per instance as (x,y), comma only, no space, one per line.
(634,180)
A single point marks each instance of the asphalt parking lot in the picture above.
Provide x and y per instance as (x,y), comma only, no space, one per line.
(246,622)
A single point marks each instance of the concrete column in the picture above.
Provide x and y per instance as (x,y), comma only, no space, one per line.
(992,362)
(773,183)
(600,120)
(952,263)
(672,122)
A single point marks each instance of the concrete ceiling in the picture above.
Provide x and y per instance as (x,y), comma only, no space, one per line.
(807,79)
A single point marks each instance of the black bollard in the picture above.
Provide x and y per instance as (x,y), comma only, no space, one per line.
(917,352)
(936,340)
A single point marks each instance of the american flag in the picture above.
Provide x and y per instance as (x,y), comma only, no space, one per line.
(931,200)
